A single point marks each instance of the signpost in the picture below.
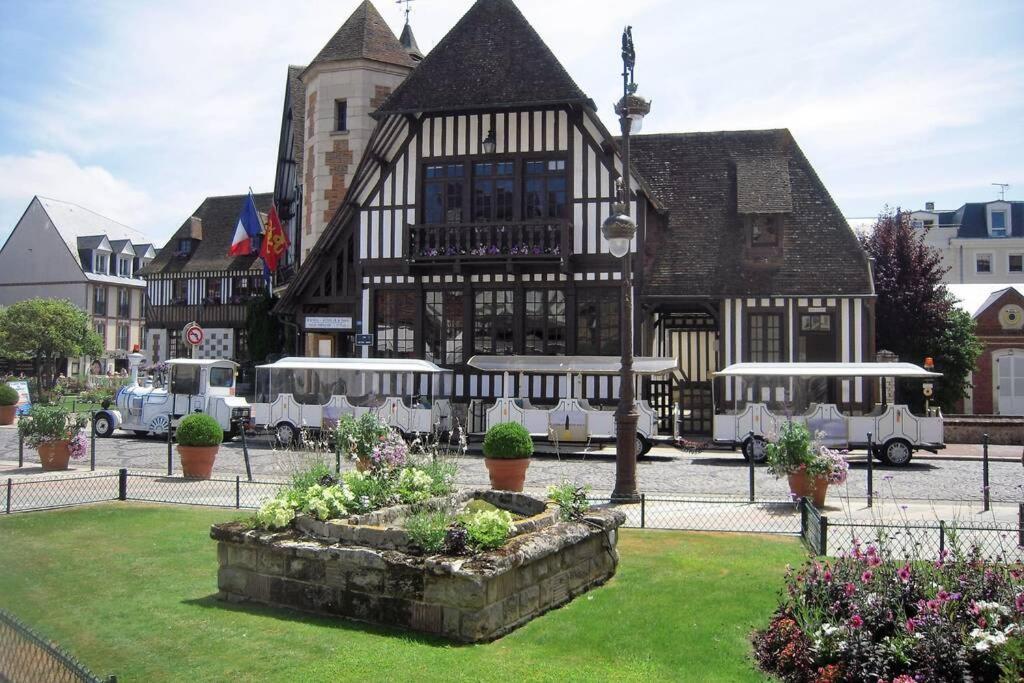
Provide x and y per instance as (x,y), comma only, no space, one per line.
(194,336)
(24,399)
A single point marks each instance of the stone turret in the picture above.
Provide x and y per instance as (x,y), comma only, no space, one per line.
(350,78)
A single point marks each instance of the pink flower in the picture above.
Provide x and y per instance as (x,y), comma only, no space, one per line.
(982,623)
(904,678)
(856,621)
(904,573)
(850,590)
(867,576)
(911,625)
(827,576)
(1019,602)
(934,605)
(874,560)
(943,596)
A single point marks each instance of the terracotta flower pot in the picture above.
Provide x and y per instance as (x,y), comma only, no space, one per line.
(507,475)
(197,461)
(804,486)
(7,414)
(54,455)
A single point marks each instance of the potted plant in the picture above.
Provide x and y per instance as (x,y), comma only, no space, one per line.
(809,466)
(199,438)
(364,438)
(55,433)
(507,451)
(8,404)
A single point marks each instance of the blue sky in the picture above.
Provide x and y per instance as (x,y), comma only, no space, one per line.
(139,109)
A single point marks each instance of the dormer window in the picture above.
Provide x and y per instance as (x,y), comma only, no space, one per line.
(184,248)
(124,266)
(997,224)
(764,229)
(99,264)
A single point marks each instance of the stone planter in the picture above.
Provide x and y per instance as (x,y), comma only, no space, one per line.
(197,461)
(507,475)
(364,568)
(804,486)
(7,414)
(54,455)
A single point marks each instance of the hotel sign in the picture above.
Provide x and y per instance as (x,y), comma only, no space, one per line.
(328,322)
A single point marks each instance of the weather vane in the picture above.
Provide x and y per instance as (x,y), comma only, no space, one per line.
(407,8)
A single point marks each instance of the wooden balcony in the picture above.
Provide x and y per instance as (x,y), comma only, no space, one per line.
(489,243)
(207,315)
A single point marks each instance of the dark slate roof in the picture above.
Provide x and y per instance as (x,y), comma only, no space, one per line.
(408,41)
(762,185)
(218,217)
(297,94)
(492,58)
(973,219)
(365,35)
(701,251)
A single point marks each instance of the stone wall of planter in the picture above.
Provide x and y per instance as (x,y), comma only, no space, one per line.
(468,599)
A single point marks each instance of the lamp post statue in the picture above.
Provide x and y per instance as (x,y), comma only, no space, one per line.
(619,229)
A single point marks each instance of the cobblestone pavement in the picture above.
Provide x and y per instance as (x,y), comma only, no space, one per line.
(666,471)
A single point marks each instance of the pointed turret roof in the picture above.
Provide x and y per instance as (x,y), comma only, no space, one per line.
(408,41)
(492,58)
(365,35)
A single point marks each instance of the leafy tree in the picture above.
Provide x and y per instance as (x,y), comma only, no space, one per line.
(265,331)
(915,315)
(45,330)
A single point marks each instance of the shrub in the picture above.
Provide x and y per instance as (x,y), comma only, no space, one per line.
(794,449)
(413,485)
(861,617)
(442,475)
(428,529)
(314,472)
(571,500)
(487,529)
(276,513)
(199,429)
(49,423)
(8,395)
(508,441)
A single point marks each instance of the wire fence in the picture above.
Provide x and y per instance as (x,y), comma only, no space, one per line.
(727,514)
(26,656)
(915,539)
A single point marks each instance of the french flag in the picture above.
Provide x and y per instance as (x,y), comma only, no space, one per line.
(248,229)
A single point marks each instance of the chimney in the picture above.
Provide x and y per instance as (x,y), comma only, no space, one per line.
(929,206)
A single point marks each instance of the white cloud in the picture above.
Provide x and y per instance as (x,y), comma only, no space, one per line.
(57,175)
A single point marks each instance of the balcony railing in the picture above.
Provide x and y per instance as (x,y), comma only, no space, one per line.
(466,242)
(209,315)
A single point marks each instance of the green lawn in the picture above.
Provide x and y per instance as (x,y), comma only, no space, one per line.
(128,588)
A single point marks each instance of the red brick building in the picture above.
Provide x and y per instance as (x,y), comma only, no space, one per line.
(999,378)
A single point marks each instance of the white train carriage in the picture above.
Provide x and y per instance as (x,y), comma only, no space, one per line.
(895,432)
(572,419)
(194,386)
(313,393)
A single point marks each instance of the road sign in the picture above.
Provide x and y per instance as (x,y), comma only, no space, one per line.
(364,340)
(194,334)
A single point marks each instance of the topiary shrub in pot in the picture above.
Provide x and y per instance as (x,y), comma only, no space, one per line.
(8,404)
(507,451)
(199,438)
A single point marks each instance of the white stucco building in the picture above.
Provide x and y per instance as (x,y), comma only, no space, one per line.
(981,242)
(64,251)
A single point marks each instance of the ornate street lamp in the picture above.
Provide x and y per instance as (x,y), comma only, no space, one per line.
(620,229)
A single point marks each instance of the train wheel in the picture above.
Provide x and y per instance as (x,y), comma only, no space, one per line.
(897,452)
(103,425)
(287,434)
(753,450)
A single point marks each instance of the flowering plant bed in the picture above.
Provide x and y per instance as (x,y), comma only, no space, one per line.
(862,618)
(367,567)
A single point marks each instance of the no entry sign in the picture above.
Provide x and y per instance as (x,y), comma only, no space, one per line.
(194,334)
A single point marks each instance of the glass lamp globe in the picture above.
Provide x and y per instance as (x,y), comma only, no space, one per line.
(619,230)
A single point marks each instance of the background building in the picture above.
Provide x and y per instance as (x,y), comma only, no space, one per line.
(981,242)
(194,279)
(472,226)
(64,251)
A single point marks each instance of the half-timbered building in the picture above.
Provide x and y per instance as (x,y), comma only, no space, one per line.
(472,226)
(194,279)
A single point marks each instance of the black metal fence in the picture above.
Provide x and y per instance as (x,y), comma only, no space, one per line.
(25,655)
(914,539)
